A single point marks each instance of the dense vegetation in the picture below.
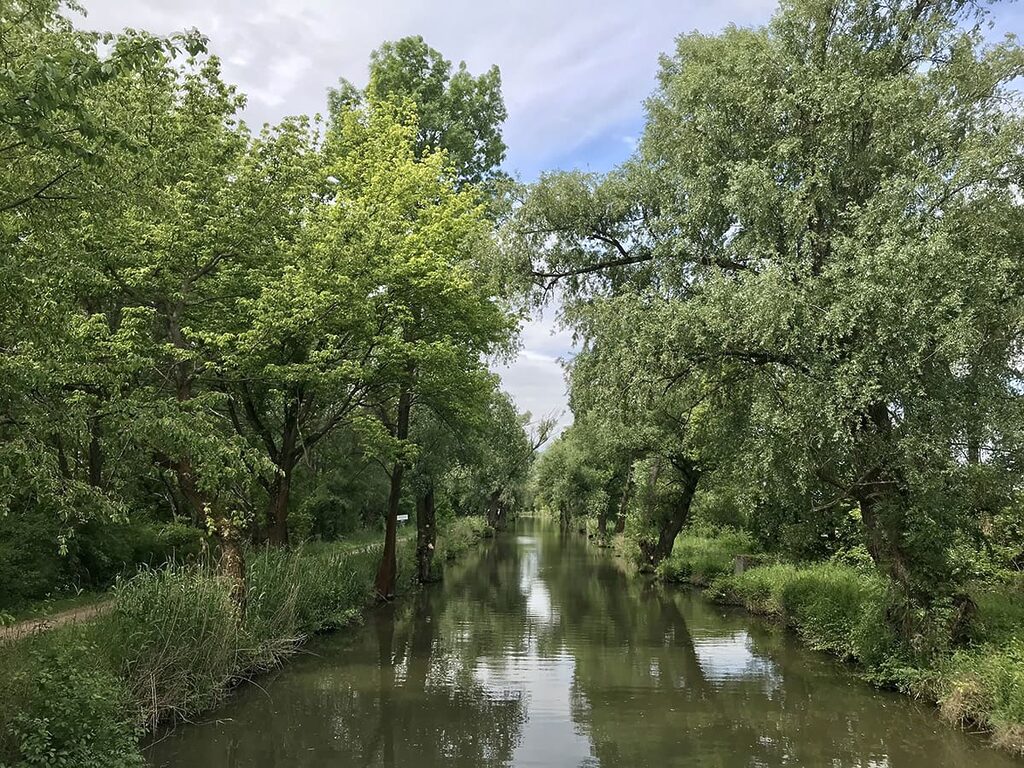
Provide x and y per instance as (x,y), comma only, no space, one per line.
(213,337)
(799,305)
(231,361)
(230,358)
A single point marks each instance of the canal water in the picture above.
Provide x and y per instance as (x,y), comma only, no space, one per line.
(538,650)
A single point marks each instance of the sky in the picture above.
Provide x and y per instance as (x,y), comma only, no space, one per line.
(575,74)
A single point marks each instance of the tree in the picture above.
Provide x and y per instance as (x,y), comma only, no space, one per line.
(415,234)
(840,232)
(455,111)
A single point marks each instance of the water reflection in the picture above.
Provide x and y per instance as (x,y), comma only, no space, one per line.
(539,651)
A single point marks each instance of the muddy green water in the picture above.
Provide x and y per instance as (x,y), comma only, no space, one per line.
(539,651)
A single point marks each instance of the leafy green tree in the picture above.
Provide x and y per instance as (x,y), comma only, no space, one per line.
(416,234)
(455,111)
(840,232)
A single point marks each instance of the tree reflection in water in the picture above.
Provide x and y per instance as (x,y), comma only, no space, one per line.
(539,650)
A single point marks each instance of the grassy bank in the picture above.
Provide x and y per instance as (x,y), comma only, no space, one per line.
(171,648)
(841,608)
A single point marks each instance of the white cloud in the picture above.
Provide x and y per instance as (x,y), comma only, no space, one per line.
(573,71)
(536,379)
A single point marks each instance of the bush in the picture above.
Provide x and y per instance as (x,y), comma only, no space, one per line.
(834,607)
(64,707)
(700,559)
(172,647)
(30,565)
(459,535)
(984,687)
(98,552)
(175,640)
(320,587)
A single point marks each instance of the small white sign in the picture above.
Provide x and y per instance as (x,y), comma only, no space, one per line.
(403,518)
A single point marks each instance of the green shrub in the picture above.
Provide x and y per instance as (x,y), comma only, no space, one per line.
(759,589)
(835,607)
(30,564)
(700,559)
(64,707)
(316,588)
(98,552)
(176,542)
(171,647)
(1000,614)
(984,687)
(459,535)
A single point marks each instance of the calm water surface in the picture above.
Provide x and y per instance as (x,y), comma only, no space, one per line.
(539,651)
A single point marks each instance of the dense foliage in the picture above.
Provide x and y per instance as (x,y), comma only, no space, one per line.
(800,301)
(249,334)
(800,308)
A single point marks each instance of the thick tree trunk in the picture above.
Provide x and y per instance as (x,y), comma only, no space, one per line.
(387,572)
(671,524)
(426,536)
(277,531)
(232,562)
(882,497)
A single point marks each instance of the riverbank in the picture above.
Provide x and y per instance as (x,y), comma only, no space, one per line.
(840,607)
(171,648)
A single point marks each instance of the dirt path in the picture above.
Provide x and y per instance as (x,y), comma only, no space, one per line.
(76,615)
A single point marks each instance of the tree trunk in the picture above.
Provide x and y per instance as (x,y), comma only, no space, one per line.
(494,510)
(232,562)
(620,521)
(882,497)
(388,570)
(95,454)
(426,536)
(277,532)
(670,525)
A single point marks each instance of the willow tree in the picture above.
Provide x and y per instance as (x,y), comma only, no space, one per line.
(831,202)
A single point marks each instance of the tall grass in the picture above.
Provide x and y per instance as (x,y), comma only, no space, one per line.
(843,609)
(172,647)
(834,607)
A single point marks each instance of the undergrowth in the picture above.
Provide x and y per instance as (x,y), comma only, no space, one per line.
(82,696)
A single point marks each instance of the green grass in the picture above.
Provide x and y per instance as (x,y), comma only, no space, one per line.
(700,559)
(842,609)
(171,647)
(833,607)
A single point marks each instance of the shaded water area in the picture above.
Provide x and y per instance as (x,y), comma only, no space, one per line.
(538,650)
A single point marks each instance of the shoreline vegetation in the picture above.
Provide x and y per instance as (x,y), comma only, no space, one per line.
(172,647)
(226,351)
(838,606)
